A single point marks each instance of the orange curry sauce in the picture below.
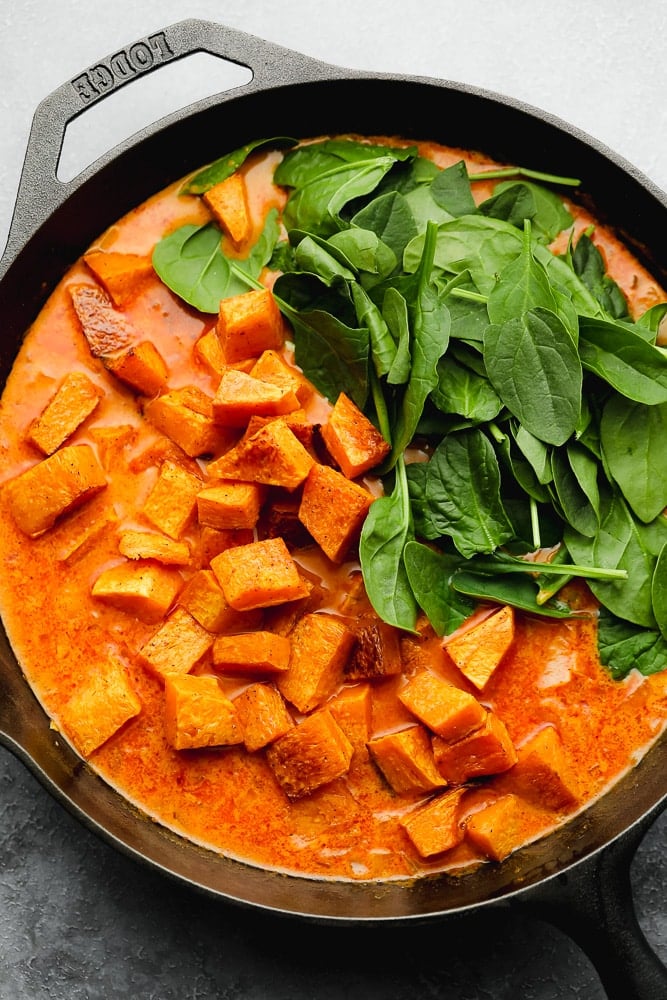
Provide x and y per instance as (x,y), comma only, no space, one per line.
(226,797)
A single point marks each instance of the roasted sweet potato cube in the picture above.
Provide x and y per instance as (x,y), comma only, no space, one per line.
(202,596)
(443,707)
(248,324)
(197,713)
(321,644)
(75,399)
(111,443)
(479,650)
(122,275)
(436,826)
(239,396)
(352,710)
(177,645)
(542,774)
(172,502)
(297,421)
(212,542)
(208,351)
(230,505)
(186,417)
(99,707)
(251,653)
(486,750)
(310,755)
(273,456)
(228,200)
(83,530)
(258,575)
(498,828)
(376,652)
(333,509)
(149,545)
(142,588)
(105,329)
(263,715)
(406,760)
(141,366)
(272,367)
(53,487)
(352,440)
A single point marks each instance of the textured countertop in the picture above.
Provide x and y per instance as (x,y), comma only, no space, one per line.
(79,920)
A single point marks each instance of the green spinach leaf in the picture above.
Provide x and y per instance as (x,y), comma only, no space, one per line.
(429,572)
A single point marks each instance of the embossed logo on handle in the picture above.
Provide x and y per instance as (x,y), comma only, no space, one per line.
(120,67)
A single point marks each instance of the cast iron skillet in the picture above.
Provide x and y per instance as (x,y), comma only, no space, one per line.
(578,877)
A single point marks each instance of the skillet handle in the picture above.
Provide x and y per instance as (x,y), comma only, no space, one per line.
(592,903)
(40,191)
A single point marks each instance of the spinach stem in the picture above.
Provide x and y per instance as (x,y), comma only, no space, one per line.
(466,293)
(535,523)
(524,172)
(380,405)
(553,569)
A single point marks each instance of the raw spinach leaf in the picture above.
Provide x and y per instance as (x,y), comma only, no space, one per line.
(589,265)
(573,500)
(634,439)
(624,543)
(659,592)
(522,285)
(224,167)
(429,572)
(625,360)
(451,190)
(316,206)
(458,494)
(395,313)
(303,165)
(390,218)
(649,322)
(191,263)
(460,390)
(518,591)
(535,369)
(514,202)
(624,647)
(386,530)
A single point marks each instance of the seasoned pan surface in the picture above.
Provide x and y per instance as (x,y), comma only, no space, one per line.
(67,225)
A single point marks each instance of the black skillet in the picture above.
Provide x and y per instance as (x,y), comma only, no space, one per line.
(578,877)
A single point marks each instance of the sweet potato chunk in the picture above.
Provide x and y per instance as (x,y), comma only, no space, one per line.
(352,710)
(197,713)
(333,509)
(444,708)
(202,596)
(497,829)
(376,652)
(230,505)
(271,367)
(208,351)
(141,588)
(251,653)
(436,826)
(149,545)
(406,760)
(172,502)
(228,201)
(98,709)
(263,715)
(75,399)
(58,484)
(542,774)
(273,456)
(177,646)
(239,396)
(211,542)
(478,651)
(486,750)
(122,275)
(352,440)
(249,324)
(310,755)
(186,417)
(258,575)
(142,367)
(105,329)
(83,530)
(321,644)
